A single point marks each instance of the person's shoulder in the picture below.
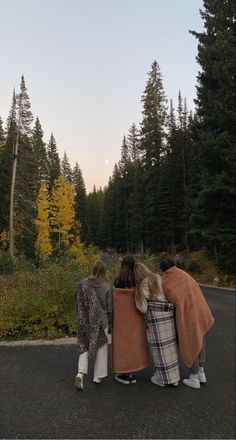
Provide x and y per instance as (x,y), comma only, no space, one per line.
(159,277)
(80,283)
(106,286)
(144,283)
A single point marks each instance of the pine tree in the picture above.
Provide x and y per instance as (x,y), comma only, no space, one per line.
(136,206)
(152,146)
(43,242)
(53,162)
(80,199)
(168,188)
(26,117)
(133,141)
(215,131)
(24,163)
(95,201)
(6,166)
(107,237)
(2,136)
(124,186)
(66,170)
(40,153)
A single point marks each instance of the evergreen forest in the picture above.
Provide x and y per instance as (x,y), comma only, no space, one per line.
(173,189)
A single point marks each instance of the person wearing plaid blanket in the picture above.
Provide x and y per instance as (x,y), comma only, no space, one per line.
(150,299)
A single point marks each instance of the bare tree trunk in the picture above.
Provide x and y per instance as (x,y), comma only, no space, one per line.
(13,181)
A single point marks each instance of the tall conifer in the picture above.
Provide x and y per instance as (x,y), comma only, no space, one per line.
(53,162)
(215,130)
(40,153)
(66,170)
(152,146)
(6,166)
(25,183)
(80,199)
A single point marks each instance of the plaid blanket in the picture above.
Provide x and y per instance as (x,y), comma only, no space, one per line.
(162,340)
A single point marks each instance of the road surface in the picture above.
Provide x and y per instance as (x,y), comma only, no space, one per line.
(38,399)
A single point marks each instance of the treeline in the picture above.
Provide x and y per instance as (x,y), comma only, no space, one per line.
(174,186)
(48,196)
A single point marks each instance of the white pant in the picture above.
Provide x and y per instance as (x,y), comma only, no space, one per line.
(100,365)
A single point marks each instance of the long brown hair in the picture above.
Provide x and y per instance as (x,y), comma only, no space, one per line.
(126,273)
(99,274)
(141,272)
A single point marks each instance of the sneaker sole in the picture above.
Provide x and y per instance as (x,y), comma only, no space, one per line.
(124,382)
(158,384)
(194,387)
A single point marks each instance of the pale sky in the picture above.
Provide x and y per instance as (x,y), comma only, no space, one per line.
(85,64)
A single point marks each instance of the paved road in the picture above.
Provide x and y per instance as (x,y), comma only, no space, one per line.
(38,399)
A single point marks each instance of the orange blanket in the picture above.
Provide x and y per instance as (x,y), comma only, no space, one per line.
(130,350)
(193,316)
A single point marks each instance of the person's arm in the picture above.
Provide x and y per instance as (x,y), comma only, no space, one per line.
(143,306)
(109,301)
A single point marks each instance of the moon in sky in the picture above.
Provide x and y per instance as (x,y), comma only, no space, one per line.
(107,161)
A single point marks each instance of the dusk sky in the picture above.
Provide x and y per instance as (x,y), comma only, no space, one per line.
(85,64)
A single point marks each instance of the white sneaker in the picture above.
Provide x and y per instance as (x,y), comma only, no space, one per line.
(79,381)
(132,378)
(97,380)
(202,377)
(153,380)
(123,378)
(192,382)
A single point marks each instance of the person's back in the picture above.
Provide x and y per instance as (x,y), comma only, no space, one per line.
(129,338)
(150,299)
(93,312)
(193,318)
(104,297)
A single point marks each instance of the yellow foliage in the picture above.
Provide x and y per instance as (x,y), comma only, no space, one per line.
(84,256)
(62,210)
(4,239)
(43,243)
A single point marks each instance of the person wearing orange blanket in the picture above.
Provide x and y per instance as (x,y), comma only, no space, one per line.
(130,352)
(193,319)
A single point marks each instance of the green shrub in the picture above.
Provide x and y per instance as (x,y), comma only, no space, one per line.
(7,265)
(39,302)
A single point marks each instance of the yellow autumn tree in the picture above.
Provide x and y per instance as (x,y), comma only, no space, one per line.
(62,211)
(43,243)
(4,239)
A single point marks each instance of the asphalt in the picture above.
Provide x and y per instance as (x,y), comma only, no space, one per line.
(38,399)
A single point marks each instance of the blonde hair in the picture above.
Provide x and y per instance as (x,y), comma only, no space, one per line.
(141,272)
(99,274)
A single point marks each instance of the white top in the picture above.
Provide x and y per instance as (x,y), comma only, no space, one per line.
(144,286)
